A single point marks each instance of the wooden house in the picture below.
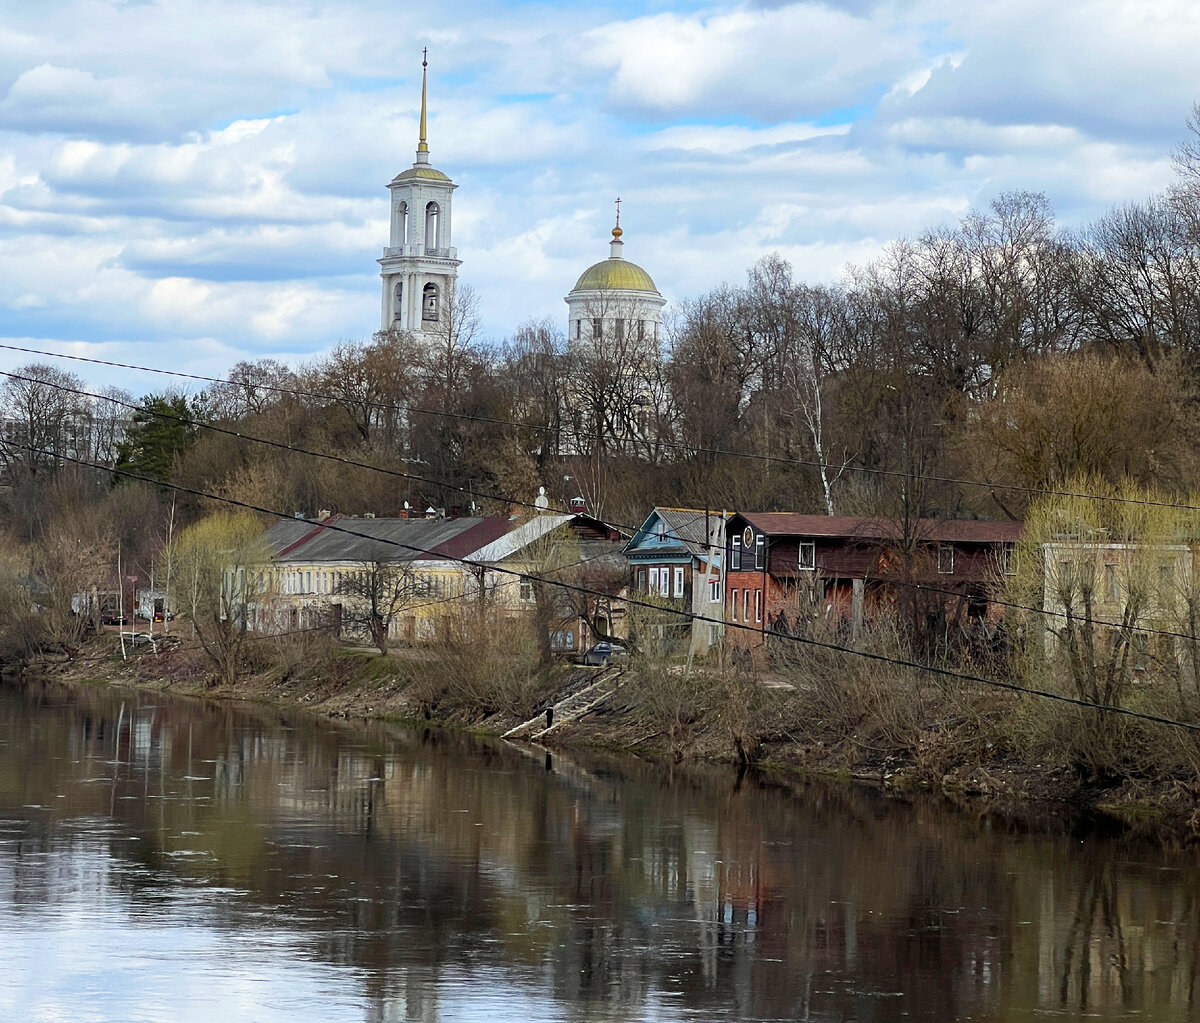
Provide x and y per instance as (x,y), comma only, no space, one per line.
(786,571)
(676,558)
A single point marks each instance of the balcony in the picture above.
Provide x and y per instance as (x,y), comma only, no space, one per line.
(395,251)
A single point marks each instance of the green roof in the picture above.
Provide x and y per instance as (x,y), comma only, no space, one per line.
(423,171)
(615,275)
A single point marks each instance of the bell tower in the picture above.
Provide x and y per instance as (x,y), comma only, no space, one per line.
(419,265)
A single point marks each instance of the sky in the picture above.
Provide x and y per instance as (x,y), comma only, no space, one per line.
(186,184)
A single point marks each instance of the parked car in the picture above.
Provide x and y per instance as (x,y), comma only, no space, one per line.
(603,652)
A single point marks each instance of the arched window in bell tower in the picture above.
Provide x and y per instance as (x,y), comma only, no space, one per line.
(398,301)
(429,303)
(402,222)
(432,217)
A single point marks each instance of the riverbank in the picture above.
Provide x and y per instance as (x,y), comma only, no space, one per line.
(920,745)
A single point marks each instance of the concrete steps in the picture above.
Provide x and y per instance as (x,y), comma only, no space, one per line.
(570,708)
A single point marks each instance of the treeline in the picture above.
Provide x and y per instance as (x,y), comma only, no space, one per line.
(955,375)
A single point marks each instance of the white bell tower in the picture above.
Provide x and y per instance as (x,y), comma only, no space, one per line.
(419,265)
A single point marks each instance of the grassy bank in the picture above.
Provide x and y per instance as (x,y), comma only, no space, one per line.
(815,712)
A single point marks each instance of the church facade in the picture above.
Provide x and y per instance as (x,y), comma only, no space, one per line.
(419,267)
(612,383)
(614,300)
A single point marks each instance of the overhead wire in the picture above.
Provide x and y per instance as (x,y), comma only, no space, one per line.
(766,458)
(637,602)
(510,500)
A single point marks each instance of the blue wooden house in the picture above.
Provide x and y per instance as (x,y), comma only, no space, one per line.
(677,557)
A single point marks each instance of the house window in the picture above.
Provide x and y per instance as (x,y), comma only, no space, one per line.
(945,559)
(597,327)
(1166,582)
(733,616)
(641,580)
(1009,559)
(661,532)
(714,591)
(735,554)
(578,329)
(664,581)
(526,588)
(760,551)
(1112,585)
(807,561)
(758,605)
(677,590)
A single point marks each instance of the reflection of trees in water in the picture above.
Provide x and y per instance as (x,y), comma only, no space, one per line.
(417,859)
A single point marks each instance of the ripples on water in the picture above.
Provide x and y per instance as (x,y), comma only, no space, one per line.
(172,860)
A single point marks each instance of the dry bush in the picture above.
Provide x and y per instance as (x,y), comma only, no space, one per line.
(877,703)
(306,652)
(485,663)
(668,701)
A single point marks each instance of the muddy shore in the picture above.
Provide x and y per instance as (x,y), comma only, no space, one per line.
(943,764)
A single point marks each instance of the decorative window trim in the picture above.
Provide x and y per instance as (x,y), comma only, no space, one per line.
(1009,558)
(945,559)
(806,556)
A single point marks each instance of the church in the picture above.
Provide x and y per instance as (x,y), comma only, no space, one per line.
(613,301)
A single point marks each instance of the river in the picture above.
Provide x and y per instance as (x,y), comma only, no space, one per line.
(179,860)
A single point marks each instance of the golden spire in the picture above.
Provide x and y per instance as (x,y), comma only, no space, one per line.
(617,232)
(422,145)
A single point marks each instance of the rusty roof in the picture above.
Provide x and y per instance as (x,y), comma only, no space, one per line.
(850,527)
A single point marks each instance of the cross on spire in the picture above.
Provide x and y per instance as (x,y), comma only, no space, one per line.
(618,211)
(425,57)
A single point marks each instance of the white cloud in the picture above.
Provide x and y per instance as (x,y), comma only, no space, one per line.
(213,172)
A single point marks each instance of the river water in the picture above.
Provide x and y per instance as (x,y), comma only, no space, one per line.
(176,860)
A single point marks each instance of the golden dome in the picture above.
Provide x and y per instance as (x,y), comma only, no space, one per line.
(615,275)
(420,171)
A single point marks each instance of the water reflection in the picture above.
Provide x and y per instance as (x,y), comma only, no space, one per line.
(179,859)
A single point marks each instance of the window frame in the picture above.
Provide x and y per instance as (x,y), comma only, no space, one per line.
(808,564)
(945,566)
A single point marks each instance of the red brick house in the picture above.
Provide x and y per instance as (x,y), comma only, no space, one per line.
(785,571)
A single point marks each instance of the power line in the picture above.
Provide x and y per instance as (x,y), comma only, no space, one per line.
(635,602)
(678,445)
(341,459)
(509,500)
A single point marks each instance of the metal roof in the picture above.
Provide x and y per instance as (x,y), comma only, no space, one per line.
(380,539)
(847,527)
(686,529)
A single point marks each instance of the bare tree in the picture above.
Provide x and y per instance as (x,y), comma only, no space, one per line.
(377,594)
(40,412)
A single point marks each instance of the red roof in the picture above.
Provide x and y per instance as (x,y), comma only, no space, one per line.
(849,527)
(471,540)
